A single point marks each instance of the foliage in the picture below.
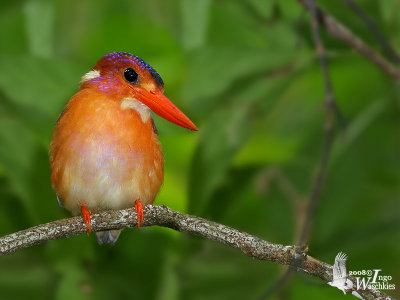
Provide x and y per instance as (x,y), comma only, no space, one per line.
(246,72)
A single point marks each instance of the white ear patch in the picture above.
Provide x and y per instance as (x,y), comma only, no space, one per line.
(143,110)
(89,76)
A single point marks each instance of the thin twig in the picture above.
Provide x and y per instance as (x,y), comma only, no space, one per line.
(341,32)
(374,30)
(332,110)
(252,246)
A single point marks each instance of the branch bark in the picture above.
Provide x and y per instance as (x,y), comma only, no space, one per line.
(166,217)
(373,28)
(341,32)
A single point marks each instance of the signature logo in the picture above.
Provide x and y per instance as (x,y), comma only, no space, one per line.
(340,279)
(370,279)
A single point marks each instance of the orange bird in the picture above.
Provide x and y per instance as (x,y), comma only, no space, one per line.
(105,153)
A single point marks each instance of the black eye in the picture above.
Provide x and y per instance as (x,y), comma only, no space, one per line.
(130,75)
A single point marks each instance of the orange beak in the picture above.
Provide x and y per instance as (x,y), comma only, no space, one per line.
(160,104)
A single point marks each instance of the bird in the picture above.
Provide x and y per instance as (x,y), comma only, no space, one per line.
(104,151)
(340,279)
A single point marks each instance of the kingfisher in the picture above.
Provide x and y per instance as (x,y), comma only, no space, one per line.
(105,153)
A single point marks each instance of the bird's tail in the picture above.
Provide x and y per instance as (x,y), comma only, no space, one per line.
(107,237)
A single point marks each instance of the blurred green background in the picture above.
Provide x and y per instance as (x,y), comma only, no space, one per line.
(246,73)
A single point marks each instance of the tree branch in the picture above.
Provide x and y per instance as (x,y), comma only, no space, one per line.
(374,30)
(341,32)
(166,217)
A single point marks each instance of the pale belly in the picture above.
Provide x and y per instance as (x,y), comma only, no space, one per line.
(103,178)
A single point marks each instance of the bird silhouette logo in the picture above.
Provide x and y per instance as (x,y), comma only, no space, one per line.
(340,279)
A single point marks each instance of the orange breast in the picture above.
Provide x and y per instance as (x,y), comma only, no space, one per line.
(104,156)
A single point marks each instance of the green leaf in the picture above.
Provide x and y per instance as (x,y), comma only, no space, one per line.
(12,29)
(27,270)
(220,139)
(194,22)
(263,7)
(39,84)
(212,270)
(214,70)
(39,25)
(177,150)
(358,126)
(71,285)
(16,158)
(169,282)
(267,149)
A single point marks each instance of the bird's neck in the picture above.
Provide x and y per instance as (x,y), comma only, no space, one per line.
(111,86)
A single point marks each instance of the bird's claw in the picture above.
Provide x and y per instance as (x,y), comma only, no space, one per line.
(86,218)
(139,212)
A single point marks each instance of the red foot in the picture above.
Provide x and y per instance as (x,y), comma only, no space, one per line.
(86,218)
(139,211)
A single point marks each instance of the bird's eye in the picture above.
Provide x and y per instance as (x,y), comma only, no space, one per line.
(130,75)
